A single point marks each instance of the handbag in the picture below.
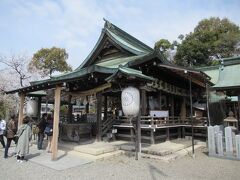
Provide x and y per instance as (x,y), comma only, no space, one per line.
(48,131)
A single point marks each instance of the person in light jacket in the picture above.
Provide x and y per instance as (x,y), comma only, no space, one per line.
(2,129)
(24,136)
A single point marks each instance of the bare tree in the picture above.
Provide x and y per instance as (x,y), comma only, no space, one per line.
(17,65)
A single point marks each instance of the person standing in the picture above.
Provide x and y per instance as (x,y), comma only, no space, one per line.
(41,126)
(49,132)
(2,130)
(11,131)
(24,136)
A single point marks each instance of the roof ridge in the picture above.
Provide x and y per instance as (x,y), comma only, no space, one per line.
(116,30)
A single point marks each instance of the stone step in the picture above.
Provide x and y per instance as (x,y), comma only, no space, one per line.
(171,157)
(98,150)
(97,157)
(166,149)
(110,155)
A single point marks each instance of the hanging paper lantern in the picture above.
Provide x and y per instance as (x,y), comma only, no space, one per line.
(31,109)
(130,101)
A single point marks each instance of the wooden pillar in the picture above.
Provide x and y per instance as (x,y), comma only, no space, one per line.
(69,108)
(132,134)
(21,106)
(179,132)
(39,108)
(238,111)
(57,102)
(183,131)
(105,107)
(167,133)
(152,137)
(207,105)
(87,105)
(160,100)
(183,110)
(172,107)
(138,137)
(143,102)
(99,117)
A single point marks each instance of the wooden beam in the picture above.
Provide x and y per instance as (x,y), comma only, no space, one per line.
(56,122)
(21,106)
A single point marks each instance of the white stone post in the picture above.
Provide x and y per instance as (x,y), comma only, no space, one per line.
(228,141)
(211,141)
(220,143)
(238,146)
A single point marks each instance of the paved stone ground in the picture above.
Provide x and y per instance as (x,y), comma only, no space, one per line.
(124,167)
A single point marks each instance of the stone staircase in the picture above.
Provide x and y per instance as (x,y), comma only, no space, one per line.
(166,151)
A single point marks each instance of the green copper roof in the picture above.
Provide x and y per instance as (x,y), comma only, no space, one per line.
(129,72)
(211,71)
(128,45)
(120,38)
(76,74)
(116,62)
(228,77)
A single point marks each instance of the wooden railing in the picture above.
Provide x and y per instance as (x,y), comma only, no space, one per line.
(162,121)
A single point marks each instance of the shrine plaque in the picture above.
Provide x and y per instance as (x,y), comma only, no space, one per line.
(228,141)
(238,146)
(211,141)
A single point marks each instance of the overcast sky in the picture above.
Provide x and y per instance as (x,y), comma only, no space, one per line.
(28,25)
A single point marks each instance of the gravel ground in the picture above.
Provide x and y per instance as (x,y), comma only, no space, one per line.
(123,167)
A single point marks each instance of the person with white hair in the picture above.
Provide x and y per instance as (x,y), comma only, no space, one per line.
(2,130)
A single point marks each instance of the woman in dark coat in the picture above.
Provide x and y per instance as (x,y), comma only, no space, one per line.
(49,133)
(42,125)
(24,136)
(11,131)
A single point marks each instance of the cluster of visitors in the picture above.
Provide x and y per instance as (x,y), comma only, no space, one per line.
(22,135)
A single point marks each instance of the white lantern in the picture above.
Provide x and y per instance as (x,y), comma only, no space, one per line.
(31,109)
(130,101)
